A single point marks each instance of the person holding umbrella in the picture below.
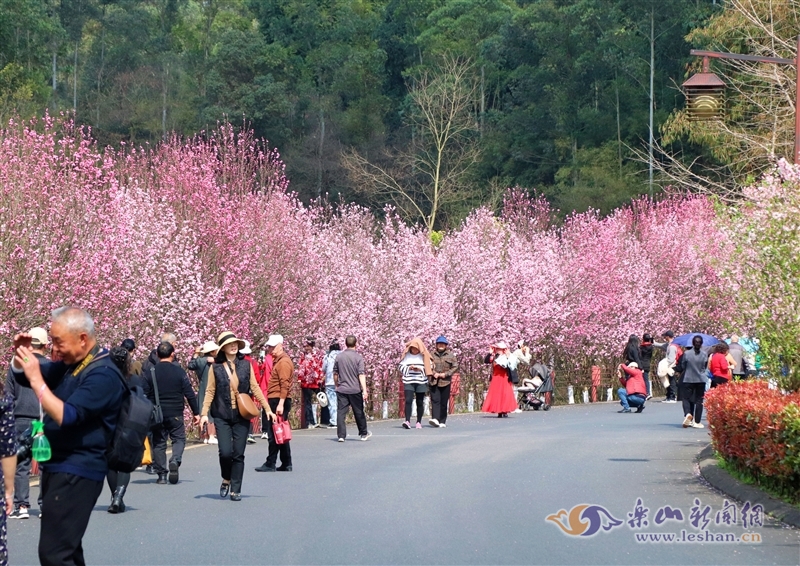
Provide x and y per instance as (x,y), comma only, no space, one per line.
(693,366)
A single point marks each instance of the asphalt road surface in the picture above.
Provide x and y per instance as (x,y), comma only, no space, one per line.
(477,492)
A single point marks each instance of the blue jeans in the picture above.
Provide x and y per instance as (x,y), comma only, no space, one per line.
(330,391)
(629,401)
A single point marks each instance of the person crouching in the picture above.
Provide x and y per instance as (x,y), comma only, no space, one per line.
(634,393)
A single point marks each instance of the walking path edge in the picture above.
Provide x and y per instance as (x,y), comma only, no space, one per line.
(723,481)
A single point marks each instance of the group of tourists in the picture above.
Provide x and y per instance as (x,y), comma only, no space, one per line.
(77,390)
(687,374)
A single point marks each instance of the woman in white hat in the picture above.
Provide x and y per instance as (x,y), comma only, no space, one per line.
(500,399)
(200,364)
(230,381)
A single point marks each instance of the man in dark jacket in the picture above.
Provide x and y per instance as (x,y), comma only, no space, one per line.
(81,396)
(646,357)
(172,387)
(26,410)
(445,366)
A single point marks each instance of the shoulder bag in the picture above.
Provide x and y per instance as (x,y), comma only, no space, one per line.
(247,409)
(158,414)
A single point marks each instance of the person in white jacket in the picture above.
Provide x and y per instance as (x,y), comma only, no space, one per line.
(672,358)
(523,356)
(330,385)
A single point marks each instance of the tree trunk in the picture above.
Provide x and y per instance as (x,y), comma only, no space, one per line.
(75,82)
(320,150)
(164,103)
(483,98)
(619,128)
(652,98)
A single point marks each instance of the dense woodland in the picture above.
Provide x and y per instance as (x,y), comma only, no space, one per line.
(558,90)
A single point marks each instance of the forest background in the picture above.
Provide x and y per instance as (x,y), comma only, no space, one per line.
(558,91)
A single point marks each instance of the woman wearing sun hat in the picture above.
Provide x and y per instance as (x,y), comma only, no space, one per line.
(500,398)
(230,375)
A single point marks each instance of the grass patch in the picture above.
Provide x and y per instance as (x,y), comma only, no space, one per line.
(776,489)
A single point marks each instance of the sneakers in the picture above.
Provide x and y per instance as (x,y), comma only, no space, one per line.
(442,425)
(265,468)
(205,441)
(418,425)
(669,401)
(640,409)
(251,439)
(434,423)
(648,397)
(698,425)
(406,424)
(341,440)
(687,421)
(264,436)
(213,440)
(173,473)
(517,410)
(162,479)
(331,425)
(624,411)
(20,513)
(366,436)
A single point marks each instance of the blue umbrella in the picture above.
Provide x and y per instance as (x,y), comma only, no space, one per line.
(685,340)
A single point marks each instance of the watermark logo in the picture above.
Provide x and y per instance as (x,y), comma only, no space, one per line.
(584,520)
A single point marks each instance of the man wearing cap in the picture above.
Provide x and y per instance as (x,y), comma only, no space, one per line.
(200,363)
(280,385)
(26,410)
(445,366)
(309,373)
(672,354)
(634,392)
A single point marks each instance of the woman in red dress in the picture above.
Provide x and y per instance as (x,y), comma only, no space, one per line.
(500,399)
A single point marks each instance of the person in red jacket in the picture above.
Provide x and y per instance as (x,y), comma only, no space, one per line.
(309,373)
(247,353)
(634,394)
(719,365)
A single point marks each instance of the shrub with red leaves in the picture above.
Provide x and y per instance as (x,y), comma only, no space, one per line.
(753,428)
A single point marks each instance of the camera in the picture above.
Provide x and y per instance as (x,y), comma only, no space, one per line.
(24,445)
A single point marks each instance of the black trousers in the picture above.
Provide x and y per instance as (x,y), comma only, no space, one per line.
(671,388)
(692,396)
(410,395)
(22,477)
(274,448)
(232,438)
(117,479)
(265,424)
(69,500)
(343,402)
(440,402)
(308,404)
(174,429)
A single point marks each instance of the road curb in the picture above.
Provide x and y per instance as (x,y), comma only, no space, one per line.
(723,481)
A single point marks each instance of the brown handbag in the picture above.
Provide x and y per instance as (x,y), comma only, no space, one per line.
(247,409)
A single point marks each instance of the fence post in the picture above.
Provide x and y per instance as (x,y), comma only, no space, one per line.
(385,411)
(471,402)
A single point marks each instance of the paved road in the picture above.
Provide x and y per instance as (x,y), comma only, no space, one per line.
(477,492)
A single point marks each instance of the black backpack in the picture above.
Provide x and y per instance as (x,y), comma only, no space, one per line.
(134,422)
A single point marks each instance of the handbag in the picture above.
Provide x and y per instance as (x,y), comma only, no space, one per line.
(158,414)
(147,457)
(247,409)
(282,430)
(513,375)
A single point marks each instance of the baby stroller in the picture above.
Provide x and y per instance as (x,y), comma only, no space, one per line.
(532,392)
